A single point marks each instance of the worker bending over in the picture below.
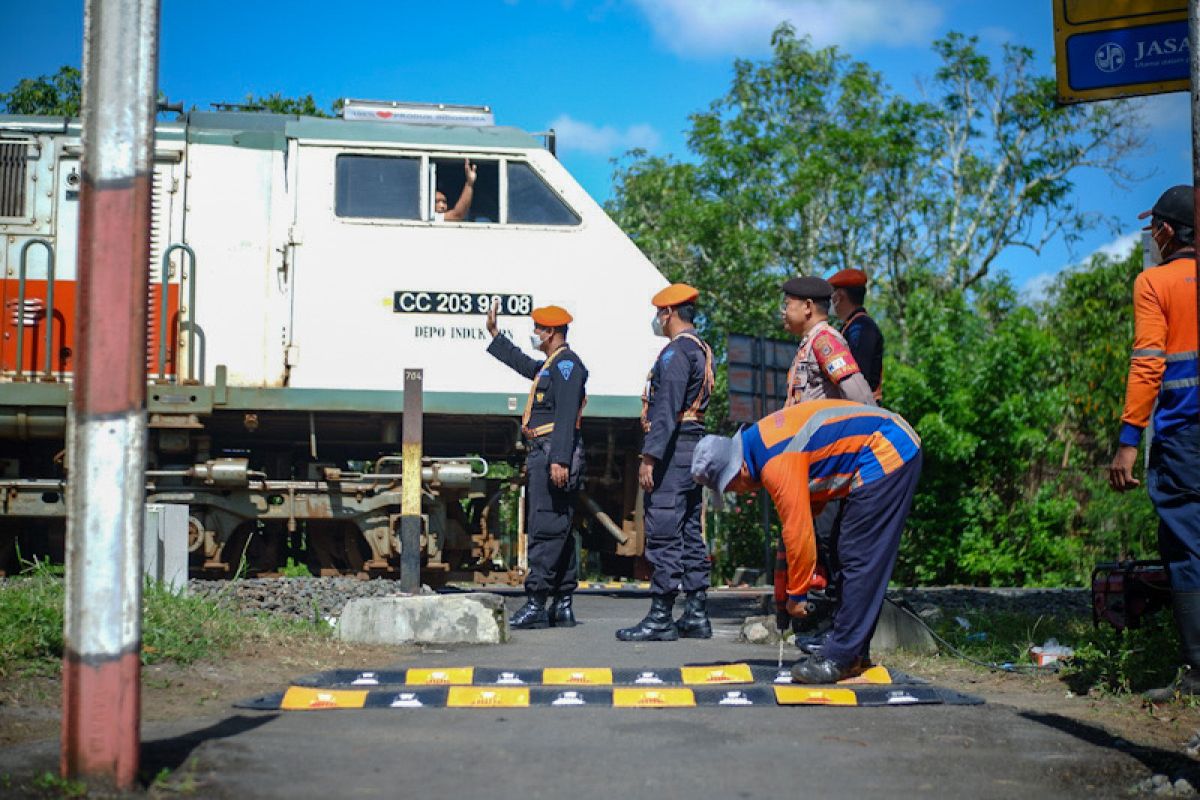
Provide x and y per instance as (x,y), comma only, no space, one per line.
(804,456)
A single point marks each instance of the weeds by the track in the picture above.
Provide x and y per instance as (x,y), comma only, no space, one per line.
(1104,660)
(175,627)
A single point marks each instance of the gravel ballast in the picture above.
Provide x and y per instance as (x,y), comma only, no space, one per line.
(322,598)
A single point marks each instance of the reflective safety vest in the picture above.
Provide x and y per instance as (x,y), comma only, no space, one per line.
(693,412)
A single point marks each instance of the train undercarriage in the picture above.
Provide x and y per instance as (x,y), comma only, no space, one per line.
(283,481)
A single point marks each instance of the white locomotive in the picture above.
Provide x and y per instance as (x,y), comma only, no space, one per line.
(298,269)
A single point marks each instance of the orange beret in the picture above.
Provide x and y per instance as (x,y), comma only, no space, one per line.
(675,294)
(550,316)
(847,277)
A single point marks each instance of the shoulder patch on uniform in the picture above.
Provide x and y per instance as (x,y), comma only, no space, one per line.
(834,357)
(667,355)
(565,368)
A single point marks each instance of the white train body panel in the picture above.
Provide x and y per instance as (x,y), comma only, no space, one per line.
(290,293)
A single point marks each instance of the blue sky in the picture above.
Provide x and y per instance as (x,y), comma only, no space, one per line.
(607,74)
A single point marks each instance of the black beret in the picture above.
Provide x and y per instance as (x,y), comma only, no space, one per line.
(808,287)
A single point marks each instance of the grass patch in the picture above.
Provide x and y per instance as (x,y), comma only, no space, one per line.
(175,628)
(1104,660)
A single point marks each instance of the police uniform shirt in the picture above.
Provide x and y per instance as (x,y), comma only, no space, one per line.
(866,344)
(824,368)
(557,397)
(676,379)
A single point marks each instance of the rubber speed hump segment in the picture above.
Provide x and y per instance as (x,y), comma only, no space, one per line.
(725,685)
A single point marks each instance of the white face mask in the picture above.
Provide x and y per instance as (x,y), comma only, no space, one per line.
(537,341)
(1154,255)
(657,326)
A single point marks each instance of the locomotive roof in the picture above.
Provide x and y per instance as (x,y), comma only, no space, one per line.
(270,131)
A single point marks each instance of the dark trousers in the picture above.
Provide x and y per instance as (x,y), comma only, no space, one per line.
(552,564)
(1173,483)
(671,513)
(868,541)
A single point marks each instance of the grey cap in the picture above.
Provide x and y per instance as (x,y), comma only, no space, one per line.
(715,462)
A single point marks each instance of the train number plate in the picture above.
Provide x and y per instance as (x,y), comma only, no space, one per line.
(416,302)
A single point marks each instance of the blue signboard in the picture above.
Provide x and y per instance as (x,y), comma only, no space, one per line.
(1125,56)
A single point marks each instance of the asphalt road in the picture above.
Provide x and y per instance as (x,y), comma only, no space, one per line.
(579,753)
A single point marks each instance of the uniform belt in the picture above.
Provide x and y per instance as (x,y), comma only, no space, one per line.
(539,431)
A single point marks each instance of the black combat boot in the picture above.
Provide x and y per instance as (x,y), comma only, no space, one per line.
(694,623)
(561,613)
(818,669)
(657,626)
(532,614)
(1187,620)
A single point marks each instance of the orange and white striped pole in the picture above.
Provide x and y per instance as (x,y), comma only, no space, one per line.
(101,668)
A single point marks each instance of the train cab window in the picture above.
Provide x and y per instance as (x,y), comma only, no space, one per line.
(386,187)
(448,178)
(532,202)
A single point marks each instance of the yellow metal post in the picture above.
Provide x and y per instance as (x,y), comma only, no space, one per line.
(410,499)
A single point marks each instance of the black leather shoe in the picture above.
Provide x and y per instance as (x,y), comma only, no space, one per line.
(657,626)
(819,670)
(562,615)
(694,624)
(532,614)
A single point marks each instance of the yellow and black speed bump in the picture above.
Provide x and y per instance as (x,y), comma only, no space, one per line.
(697,675)
(724,685)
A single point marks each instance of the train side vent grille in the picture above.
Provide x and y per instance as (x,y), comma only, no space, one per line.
(14,162)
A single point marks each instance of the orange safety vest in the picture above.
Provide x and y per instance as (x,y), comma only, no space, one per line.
(542,430)
(692,413)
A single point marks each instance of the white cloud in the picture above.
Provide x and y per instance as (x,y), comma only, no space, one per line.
(601,140)
(1119,247)
(1037,287)
(743,27)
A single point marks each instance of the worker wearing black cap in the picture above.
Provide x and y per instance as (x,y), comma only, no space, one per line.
(1164,382)
(823,369)
(677,392)
(554,464)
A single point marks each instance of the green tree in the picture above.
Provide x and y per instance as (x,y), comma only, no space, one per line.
(57,95)
(811,163)
(276,103)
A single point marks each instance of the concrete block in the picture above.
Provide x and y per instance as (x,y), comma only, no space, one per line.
(897,630)
(476,618)
(165,545)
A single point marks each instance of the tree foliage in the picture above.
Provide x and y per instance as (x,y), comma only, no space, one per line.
(57,95)
(276,103)
(810,163)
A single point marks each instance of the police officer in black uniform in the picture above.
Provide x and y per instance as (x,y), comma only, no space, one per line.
(858,329)
(673,405)
(554,463)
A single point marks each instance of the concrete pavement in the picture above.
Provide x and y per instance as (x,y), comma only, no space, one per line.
(706,752)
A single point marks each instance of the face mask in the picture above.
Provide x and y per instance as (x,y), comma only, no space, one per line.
(536,341)
(657,326)
(1154,255)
